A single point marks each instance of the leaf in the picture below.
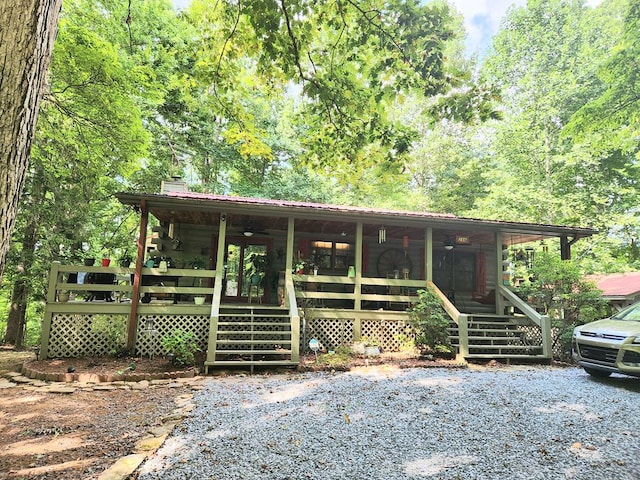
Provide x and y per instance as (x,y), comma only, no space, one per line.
(347,420)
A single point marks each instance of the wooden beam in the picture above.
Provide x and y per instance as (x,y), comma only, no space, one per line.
(137,277)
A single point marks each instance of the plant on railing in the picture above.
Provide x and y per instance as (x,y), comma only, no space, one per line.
(181,347)
(113,330)
(430,323)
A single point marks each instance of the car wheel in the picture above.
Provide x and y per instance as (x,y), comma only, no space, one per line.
(595,372)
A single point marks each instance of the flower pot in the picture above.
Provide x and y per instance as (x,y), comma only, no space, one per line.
(198,300)
(63,297)
(89,262)
(106,262)
(373,351)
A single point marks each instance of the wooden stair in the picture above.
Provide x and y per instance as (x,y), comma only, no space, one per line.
(497,337)
(253,335)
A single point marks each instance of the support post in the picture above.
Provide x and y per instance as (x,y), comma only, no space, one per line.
(428,254)
(463,336)
(357,288)
(499,273)
(295,319)
(137,277)
(212,343)
(547,341)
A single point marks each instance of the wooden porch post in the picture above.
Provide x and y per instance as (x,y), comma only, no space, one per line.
(357,288)
(428,254)
(499,273)
(288,263)
(217,293)
(137,277)
(288,273)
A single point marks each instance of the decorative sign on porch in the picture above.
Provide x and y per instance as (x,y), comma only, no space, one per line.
(463,240)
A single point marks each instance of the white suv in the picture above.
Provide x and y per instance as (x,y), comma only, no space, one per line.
(610,345)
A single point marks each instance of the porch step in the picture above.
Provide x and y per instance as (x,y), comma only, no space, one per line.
(496,336)
(253,352)
(248,363)
(253,334)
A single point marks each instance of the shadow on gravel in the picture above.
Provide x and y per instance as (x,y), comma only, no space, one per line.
(619,381)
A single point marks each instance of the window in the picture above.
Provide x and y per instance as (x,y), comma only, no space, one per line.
(332,255)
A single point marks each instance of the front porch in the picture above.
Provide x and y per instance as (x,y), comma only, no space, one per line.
(258,334)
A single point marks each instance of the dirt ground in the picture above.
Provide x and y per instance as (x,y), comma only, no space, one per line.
(77,435)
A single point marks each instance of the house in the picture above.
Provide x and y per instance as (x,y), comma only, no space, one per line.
(273,274)
(619,289)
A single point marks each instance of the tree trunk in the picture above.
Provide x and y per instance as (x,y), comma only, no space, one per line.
(17,318)
(27,32)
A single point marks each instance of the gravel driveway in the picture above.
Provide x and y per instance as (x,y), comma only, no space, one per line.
(385,423)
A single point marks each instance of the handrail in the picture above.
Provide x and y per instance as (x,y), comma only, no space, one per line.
(294,318)
(121,274)
(521,305)
(542,321)
(449,307)
(291,299)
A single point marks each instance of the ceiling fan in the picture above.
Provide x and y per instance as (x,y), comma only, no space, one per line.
(250,229)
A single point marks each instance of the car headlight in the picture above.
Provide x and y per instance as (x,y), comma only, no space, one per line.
(636,341)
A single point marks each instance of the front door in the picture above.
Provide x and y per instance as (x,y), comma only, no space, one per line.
(239,283)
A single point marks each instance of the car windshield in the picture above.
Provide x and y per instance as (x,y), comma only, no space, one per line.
(631,313)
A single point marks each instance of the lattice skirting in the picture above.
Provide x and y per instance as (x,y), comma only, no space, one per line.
(80,335)
(83,335)
(149,343)
(389,334)
(332,333)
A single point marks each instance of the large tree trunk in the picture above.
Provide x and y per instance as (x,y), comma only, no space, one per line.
(27,32)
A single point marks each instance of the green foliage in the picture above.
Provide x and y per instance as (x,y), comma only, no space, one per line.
(430,322)
(339,358)
(113,330)
(182,345)
(558,288)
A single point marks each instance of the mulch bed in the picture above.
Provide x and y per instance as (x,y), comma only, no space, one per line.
(105,369)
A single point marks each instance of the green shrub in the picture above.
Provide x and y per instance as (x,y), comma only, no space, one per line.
(183,346)
(113,329)
(430,322)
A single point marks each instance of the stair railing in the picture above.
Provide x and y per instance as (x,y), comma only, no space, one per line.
(294,316)
(542,321)
(460,319)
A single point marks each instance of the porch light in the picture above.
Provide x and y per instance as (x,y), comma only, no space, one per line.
(382,234)
(248,233)
(448,244)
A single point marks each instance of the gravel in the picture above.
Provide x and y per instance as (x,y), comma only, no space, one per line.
(517,422)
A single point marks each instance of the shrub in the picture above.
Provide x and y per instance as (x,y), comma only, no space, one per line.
(183,346)
(430,322)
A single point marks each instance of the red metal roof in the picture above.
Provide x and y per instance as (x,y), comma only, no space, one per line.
(618,284)
(294,204)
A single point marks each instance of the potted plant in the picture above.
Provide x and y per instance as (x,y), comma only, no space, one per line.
(256,268)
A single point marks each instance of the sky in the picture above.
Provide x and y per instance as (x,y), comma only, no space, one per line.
(481,17)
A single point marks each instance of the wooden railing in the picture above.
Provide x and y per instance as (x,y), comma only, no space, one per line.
(460,319)
(118,281)
(542,321)
(370,291)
